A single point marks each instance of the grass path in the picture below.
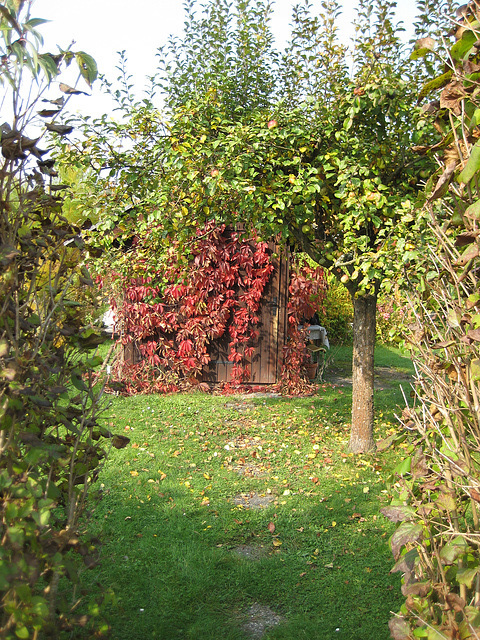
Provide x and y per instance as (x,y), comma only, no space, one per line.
(244,517)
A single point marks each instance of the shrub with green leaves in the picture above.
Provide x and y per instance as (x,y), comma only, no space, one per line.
(392,315)
(337,313)
(50,443)
(438,485)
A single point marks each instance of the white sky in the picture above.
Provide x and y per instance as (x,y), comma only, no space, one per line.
(104,27)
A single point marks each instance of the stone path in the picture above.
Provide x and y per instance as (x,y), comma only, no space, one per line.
(254,500)
(260,619)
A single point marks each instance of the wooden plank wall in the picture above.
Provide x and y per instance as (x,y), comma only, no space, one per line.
(266,362)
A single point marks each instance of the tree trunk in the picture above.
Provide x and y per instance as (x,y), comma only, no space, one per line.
(364,329)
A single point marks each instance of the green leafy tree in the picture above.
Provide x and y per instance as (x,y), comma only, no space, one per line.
(312,55)
(336,175)
(307,151)
(228,49)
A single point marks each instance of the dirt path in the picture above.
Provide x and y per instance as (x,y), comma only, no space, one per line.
(385,377)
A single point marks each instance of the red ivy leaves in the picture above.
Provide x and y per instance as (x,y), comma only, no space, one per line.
(221,290)
(307,291)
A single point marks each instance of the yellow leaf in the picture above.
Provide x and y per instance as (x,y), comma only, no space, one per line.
(206,476)
(277,542)
(334,524)
(134,473)
(187,484)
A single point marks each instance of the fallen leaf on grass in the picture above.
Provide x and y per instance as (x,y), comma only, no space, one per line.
(271,527)
(119,442)
(277,542)
(134,474)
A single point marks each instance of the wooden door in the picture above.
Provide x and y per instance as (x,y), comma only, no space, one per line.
(266,362)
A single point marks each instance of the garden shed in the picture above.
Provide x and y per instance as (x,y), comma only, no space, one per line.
(265,364)
(228,316)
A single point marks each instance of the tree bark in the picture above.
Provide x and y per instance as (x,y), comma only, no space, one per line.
(364,329)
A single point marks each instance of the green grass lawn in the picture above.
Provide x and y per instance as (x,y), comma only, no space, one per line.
(340,357)
(220,504)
